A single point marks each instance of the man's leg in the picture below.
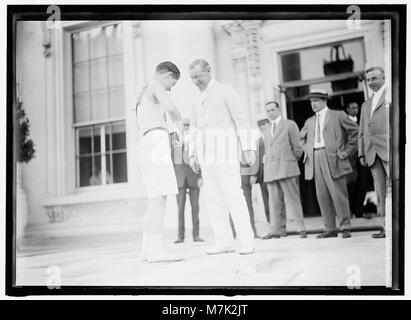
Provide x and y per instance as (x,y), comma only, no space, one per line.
(292,201)
(324,197)
(181,202)
(264,193)
(248,198)
(153,228)
(194,196)
(380,179)
(230,186)
(276,204)
(216,205)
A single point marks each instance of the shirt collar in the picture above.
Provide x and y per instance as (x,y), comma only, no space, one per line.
(210,84)
(380,90)
(277,120)
(323,111)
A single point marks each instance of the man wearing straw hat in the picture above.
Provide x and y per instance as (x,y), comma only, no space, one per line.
(328,138)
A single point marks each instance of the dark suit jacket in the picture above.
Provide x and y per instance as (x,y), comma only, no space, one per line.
(373,135)
(184,174)
(255,170)
(340,134)
(283,151)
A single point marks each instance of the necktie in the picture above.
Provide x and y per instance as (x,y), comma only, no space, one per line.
(318,128)
(273,130)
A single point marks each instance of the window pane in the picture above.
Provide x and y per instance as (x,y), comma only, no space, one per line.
(98,71)
(97,43)
(80,46)
(81,77)
(119,167)
(84,140)
(95,177)
(119,136)
(114,36)
(99,107)
(115,69)
(97,138)
(109,176)
(85,171)
(108,132)
(117,102)
(82,107)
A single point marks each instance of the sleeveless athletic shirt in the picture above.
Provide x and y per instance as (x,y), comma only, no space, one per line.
(149,115)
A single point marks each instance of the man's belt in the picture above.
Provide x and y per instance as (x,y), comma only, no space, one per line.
(320,148)
(155,128)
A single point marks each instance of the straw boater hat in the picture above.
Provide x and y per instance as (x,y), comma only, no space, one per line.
(319,93)
(261,118)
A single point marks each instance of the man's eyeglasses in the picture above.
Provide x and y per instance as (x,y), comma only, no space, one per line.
(198,75)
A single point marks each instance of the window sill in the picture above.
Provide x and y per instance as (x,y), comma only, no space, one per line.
(94,194)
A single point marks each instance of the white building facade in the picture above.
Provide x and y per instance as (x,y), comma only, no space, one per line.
(78,82)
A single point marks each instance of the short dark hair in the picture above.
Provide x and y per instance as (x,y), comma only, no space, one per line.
(168,66)
(375,68)
(350,104)
(270,102)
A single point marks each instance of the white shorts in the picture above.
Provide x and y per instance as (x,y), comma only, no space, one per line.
(156,166)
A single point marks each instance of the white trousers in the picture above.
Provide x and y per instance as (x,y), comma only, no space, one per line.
(224,196)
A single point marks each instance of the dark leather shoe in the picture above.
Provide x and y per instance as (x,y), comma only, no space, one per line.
(379,235)
(284,233)
(303,234)
(367,215)
(327,234)
(179,240)
(346,234)
(271,235)
(198,239)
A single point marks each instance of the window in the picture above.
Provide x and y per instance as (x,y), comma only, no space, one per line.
(98,106)
(304,68)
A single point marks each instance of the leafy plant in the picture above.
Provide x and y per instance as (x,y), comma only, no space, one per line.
(25,146)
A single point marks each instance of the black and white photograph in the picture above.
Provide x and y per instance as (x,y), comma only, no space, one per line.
(235,147)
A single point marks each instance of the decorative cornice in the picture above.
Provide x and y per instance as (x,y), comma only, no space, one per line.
(136,29)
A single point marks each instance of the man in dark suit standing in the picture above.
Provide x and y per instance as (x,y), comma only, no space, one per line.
(373,138)
(186,179)
(262,123)
(328,138)
(356,188)
(282,152)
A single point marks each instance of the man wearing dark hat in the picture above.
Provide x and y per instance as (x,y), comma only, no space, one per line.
(328,138)
(189,180)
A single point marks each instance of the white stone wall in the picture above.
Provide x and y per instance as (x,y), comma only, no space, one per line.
(32,91)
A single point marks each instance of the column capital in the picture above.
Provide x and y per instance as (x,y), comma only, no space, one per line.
(46,39)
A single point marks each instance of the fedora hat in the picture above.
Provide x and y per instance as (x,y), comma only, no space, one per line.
(318,93)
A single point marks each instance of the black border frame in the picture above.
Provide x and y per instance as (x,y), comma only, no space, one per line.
(397,14)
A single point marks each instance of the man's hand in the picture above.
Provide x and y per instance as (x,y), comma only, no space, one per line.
(341,154)
(363,162)
(200,182)
(253,180)
(194,165)
(250,157)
